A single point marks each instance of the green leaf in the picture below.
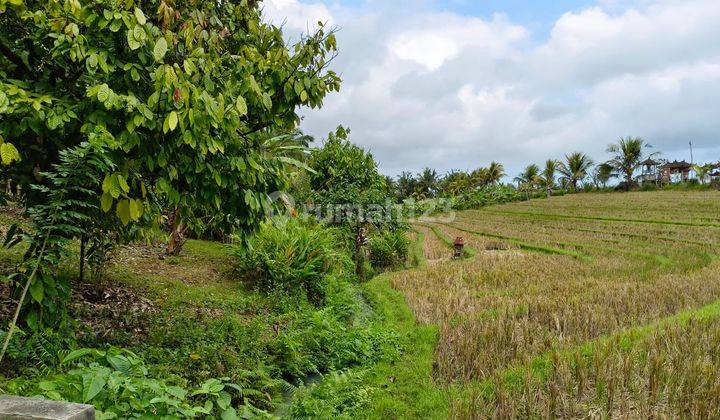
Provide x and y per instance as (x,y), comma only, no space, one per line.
(223,400)
(122,183)
(120,363)
(139,33)
(296,163)
(106,201)
(37,290)
(160,49)
(170,121)
(136,209)
(304,96)
(47,385)
(241,105)
(103,93)
(75,355)
(93,383)
(107,183)
(4,102)
(229,414)
(140,16)
(267,101)
(132,42)
(177,392)
(123,211)
(8,153)
(32,319)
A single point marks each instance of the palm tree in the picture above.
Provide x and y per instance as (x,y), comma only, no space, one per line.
(427,183)
(495,172)
(455,183)
(406,185)
(575,168)
(390,186)
(548,175)
(603,173)
(479,177)
(627,156)
(528,178)
(702,171)
(529,175)
(301,138)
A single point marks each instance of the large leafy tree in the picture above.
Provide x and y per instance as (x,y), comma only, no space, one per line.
(183,94)
(627,155)
(575,168)
(344,176)
(346,189)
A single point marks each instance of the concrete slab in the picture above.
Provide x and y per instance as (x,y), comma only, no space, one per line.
(22,408)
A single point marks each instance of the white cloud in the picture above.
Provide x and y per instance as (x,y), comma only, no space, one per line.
(433,39)
(439,89)
(296,15)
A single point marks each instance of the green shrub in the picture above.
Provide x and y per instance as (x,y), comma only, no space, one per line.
(199,347)
(289,256)
(381,253)
(340,395)
(389,249)
(118,384)
(341,335)
(485,196)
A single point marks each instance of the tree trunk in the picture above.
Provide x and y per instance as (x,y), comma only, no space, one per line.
(628,181)
(549,192)
(177,233)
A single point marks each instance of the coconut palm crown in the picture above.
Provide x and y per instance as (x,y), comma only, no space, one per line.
(575,168)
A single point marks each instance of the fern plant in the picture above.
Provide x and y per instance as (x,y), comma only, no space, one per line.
(69,212)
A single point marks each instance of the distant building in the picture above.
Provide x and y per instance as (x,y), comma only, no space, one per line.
(715,172)
(675,171)
(649,171)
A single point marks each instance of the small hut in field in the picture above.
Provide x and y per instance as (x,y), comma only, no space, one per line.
(675,171)
(649,171)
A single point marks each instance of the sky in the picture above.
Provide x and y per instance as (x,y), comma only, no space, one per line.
(456,84)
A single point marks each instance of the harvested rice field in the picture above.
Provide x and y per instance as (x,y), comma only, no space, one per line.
(581,306)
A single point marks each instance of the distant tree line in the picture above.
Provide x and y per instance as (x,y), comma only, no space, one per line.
(429,184)
(573,172)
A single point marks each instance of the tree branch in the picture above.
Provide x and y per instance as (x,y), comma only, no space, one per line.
(15,59)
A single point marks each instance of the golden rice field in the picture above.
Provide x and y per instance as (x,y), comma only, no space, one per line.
(587,305)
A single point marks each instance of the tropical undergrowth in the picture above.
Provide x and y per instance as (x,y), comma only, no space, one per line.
(193,336)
